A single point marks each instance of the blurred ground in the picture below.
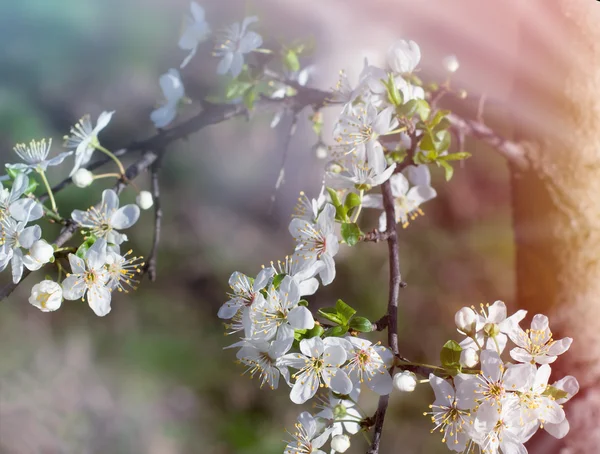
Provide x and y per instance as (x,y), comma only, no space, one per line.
(152,376)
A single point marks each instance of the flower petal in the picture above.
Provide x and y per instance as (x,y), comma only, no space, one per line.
(301,318)
(73,287)
(306,386)
(99,300)
(125,217)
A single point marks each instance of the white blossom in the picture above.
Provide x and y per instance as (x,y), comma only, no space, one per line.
(450,63)
(309,209)
(404,56)
(536,344)
(570,386)
(466,321)
(39,254)
(89,278)
(318,366)
(14,236)
(122,270)
(35,156)
(301,271)
(173,91)
(144,200)
(306,437)
(407,200)
(280,312)
(196,30)
(368,364)
(282,90)
(245,291)
(46,296)
(84,138)
(495,382)
(405,381)
(105,221)
(82,178)
(499,429)
(20,209)
(261,357)
(450,413)
(358,129)
(340,443)
(357,173)
(317,241)
(469,357)
(341,413)
(232,43)
(493,327)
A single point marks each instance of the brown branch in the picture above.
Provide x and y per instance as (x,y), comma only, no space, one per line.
(210,115)
(512,151)
(150,267)
(392,308)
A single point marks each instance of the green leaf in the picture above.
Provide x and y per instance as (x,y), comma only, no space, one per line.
(427,142)
(303,302)
(277,280)
(344,311)
(443,139)
(317,331)
(81,250)
(334,197)
(32,186)
(12,173)
(350,233)
(336,331)
(450,354)
(407,109)
(250,96)
(299,334)
(422,109)
(394,95)
(455,156)
(331,314)
(341,214)
(555,393)
(352,200)
(449,171)
(290,60)
(361,324)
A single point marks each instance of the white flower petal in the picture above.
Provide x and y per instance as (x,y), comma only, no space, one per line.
(125,217)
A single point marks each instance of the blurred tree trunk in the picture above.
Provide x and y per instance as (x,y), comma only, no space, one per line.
(557,202)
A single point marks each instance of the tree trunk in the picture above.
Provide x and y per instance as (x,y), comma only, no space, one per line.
(557,201)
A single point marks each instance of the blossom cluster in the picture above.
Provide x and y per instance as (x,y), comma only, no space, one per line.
(493,404)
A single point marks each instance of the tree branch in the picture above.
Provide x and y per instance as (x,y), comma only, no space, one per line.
(392,308)
(512,151)
(150,267)
(211,114)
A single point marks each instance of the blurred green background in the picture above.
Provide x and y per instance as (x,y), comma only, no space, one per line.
(152,376)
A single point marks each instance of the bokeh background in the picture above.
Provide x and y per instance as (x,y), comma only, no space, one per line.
(152,376)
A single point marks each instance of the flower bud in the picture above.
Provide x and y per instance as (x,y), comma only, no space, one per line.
(144,200)
(321,151)
(340,443)
(451,63)
(82,178)
(405,381)
(41,251)
(466,320)
(46,296)
(469,357)
(404,56)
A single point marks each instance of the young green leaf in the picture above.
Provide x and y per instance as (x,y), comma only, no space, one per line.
(316,331)
(361,324)
(336,331)
(344,311)
(350,233)
(449,171)
(450,354)
(290,60)
(331,314)
(555,392)
(81,250)
(277,280)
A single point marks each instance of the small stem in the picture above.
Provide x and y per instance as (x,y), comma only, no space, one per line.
(428,366)
(395,131)
(111,156)
(357,212)
(475,340)
(49,190)
(107,175)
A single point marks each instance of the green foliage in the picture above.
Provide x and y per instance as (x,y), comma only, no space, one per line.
(290,60)
(88,243)
(361,324)
(344,311)
(450,355)
(350,233)
(277,280)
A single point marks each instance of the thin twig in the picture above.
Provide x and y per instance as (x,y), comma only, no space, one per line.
(395,282)
(150,267)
